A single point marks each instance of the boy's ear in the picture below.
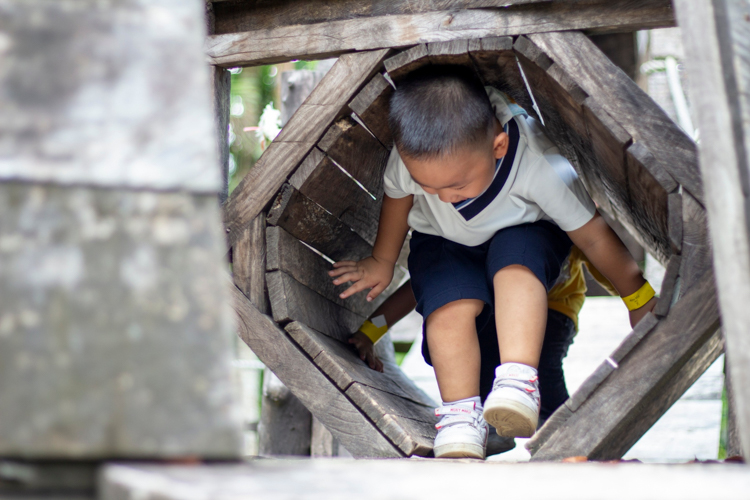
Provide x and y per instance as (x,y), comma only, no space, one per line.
(500,144)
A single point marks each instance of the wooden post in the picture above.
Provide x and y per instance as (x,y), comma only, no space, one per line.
(718,62)
(221,80)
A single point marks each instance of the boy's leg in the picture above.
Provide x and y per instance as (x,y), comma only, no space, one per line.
(449,284)
(523,262)
(454,348)
(520,315)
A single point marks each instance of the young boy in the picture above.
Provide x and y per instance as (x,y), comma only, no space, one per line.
(495,210)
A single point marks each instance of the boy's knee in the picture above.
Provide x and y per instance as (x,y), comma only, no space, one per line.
(516,272)
(459,308)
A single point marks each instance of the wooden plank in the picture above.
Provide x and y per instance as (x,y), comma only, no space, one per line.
(696,244)
(418,479)
(286,253)
(717,63)
(277,351)
(649,208)
(670,287)
(233,17)
(353,148)
(249,263)
(296,140)
(411,427)
(221,79)
(497,67)
(674,203)
(610,364)
(326,39)
(311,223)
(371,106)
(293,301)
(339,362)
(404,62)
(285,425)
(323,182)
(645,121)
(647,381)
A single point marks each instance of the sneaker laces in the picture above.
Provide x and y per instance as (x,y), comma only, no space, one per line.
(458,414)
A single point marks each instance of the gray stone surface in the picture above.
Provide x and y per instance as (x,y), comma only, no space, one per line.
(114,330)
(106,93)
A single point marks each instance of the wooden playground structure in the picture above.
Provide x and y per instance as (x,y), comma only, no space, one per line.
(314,194)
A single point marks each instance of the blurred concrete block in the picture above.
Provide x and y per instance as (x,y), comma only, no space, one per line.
(114,331)
(112,94)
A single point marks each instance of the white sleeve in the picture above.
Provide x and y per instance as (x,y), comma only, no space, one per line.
(560,193)
(397,181)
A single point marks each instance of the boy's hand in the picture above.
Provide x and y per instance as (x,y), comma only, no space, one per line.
(638,314)
(367,273)
(366,351)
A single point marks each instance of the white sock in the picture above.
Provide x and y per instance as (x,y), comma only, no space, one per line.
(476,400)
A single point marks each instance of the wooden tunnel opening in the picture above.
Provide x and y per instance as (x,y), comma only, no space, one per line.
(639,168)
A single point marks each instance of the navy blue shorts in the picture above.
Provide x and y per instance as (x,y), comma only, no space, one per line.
(443,271)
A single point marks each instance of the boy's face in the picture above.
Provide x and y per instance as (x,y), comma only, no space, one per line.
(464,174)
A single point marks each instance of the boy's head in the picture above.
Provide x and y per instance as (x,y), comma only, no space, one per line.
(446,132)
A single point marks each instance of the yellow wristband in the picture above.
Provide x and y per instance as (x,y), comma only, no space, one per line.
(639,298)
(372,331)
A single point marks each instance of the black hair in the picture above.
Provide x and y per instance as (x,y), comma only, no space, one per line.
(438,109)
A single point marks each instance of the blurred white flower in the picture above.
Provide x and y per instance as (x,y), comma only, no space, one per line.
(270,123)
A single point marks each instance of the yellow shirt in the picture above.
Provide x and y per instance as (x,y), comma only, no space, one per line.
(569,292)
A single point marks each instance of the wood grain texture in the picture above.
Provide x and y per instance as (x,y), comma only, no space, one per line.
(323,182)
(645,121)
(249,263)
(406,61)
(371,106)
(286,253)
(250,15)
(718,66)
(339,361)
(411,427)
(388,398)
(674,202)
(326,39)
(278,352)
(648,380)
(297,138)
(285,425)
(355,150)
(696,243)
(670,287)
(311,223)
(293,301)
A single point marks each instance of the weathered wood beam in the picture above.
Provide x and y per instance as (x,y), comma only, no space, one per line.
(250,15)
(298,137)
(640,381)
(293,367)
(328,39)
(718,62)
(673,151)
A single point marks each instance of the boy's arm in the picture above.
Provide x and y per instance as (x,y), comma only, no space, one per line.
(608,254)
(376,272)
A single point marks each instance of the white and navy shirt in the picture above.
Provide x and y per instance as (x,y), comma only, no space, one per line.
(532,182)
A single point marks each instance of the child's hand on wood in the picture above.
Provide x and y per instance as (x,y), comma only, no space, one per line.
(367,273)
(366,351)
(637,314)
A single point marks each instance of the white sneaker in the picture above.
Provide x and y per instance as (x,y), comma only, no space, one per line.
(513,405)
(462,432)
